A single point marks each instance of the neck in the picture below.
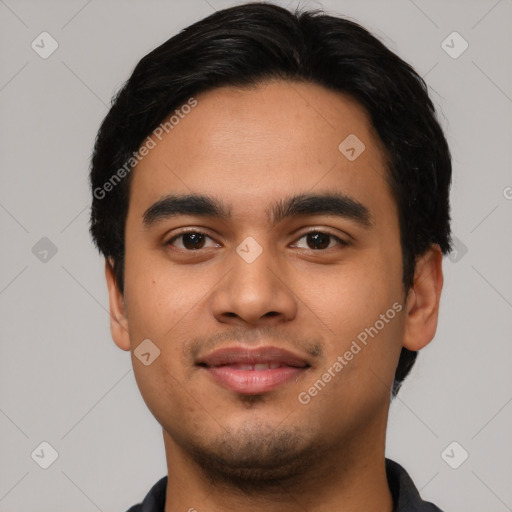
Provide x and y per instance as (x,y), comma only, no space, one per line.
(348,477)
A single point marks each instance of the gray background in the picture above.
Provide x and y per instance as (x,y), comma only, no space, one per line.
(62,379)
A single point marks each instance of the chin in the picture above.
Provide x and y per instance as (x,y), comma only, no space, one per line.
(255,457)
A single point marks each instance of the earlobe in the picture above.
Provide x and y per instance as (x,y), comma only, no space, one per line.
(118,318)
(422,305)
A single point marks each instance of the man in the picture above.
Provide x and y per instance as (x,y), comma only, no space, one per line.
(271,195)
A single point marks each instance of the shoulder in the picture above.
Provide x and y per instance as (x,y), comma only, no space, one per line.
(406,497)
(154,500)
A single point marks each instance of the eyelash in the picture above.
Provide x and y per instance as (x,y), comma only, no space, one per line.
(341,242)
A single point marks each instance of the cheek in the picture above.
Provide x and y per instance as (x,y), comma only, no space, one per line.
(349,296)
(161,387)
(358,308)
(158,296)
(159,307)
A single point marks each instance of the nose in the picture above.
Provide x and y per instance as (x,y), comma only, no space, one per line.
(254,292)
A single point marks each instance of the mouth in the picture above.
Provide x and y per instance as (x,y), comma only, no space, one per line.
(253,370)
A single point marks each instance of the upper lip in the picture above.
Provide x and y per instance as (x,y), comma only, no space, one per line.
(253,355)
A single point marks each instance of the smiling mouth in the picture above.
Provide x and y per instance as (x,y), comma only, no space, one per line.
(271,365)
(253,370)
(254,378)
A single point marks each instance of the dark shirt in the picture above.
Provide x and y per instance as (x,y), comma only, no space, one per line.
(406,497)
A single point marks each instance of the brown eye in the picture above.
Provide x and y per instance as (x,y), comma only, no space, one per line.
(190,240)
(317,240)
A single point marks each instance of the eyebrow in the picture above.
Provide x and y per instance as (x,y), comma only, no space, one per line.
(329,203)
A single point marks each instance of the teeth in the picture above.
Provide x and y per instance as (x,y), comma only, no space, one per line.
(257,366)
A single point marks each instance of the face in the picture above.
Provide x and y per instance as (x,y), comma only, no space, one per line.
(313,295)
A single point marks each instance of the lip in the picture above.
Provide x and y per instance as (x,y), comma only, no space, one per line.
(235,368)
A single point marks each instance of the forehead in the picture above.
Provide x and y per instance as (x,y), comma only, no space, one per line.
(251,146)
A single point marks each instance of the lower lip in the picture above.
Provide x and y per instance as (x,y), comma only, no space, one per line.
(253,381)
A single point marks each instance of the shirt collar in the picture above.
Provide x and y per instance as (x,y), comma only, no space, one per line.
(406,497)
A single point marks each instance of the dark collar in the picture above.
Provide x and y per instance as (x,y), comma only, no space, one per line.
(406,497)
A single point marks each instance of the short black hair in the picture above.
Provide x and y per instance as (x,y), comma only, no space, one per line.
(257,42)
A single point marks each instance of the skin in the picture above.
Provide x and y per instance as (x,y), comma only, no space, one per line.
(249,148)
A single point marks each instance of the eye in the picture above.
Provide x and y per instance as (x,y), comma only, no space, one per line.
(321,240)
(191,240)
(195,240)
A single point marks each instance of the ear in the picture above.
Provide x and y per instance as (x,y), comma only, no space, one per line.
(118,319)
(422,305)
